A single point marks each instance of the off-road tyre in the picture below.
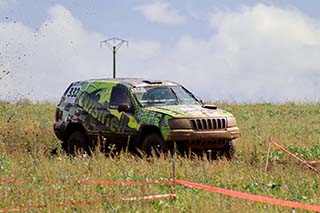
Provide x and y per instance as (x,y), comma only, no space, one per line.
(153,145)
(229,151)
(77,142)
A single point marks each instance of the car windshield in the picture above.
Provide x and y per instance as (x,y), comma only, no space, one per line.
(164,95)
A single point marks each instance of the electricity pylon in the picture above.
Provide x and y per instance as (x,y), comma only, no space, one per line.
(114,44)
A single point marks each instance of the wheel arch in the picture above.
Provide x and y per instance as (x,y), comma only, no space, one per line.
(72,127)
(148,129)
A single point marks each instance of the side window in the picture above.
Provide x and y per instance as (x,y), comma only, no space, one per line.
(119,95)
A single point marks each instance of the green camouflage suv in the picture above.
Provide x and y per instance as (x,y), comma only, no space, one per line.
(146,115)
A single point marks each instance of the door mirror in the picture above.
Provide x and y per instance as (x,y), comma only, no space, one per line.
(124,107)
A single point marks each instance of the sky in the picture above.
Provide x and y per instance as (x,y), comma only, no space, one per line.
(221,50)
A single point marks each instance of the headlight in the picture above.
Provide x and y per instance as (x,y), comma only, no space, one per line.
(232,121)
(179,124)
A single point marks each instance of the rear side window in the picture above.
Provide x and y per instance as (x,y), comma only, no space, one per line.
(119,95)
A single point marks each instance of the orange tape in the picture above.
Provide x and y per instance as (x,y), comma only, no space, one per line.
(72,204)
(77,204)
(149,197)
(228,192)
(314,162)
(231,193)
(131,197)
(11,180)
(123,183)
(127,183)
(252,197)
(292,155)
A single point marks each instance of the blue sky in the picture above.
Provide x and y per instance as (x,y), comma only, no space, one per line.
(119,18)
(244,51)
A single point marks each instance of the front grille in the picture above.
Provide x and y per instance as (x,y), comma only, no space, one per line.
(205,124)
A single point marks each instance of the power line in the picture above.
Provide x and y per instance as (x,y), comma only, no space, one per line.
(114,44)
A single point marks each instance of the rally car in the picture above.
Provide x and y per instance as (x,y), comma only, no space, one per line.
(147,115)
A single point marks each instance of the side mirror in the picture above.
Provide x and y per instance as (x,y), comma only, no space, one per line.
(124,107)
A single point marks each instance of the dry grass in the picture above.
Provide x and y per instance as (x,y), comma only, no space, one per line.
(26,137)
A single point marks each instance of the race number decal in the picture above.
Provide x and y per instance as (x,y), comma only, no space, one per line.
(72,94)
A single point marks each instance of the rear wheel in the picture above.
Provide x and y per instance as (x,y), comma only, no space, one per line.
(229,151)
(77,143)
(153,145)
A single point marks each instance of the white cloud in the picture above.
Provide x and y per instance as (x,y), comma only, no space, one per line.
(272,53)
(41,63)
(5,3)
(261,53)
(161,12)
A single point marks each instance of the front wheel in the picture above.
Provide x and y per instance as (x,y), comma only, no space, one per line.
(229,151)
(153,145)
(76,143)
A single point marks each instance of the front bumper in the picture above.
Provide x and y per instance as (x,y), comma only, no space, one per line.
(191,135)
(203,140)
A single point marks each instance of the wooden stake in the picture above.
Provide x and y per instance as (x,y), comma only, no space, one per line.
(267,162)
(174,169)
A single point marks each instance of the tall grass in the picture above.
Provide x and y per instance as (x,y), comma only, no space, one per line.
(26,138)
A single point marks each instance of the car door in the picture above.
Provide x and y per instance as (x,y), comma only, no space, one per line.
(126,125)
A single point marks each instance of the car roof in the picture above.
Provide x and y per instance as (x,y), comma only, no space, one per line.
(135,82)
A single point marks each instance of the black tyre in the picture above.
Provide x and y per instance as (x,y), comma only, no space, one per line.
(153,145)
(229,151)
(77,143)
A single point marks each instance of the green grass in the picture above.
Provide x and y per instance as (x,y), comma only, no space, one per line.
(26,138)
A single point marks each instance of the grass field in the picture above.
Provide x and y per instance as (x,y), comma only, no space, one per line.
(26,138)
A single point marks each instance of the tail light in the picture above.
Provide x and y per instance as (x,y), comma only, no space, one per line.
(58,114)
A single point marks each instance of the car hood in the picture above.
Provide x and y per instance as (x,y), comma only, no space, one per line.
(188,111)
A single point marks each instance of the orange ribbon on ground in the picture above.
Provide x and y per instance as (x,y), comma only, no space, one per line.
(292,155)
(227,192)
(252,197)
(85,203)
(231,193)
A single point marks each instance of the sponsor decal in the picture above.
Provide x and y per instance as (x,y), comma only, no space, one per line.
(89,102)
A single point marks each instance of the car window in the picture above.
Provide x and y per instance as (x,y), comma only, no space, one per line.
(159,94)
(119,95)
(184,96)
(163,95)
